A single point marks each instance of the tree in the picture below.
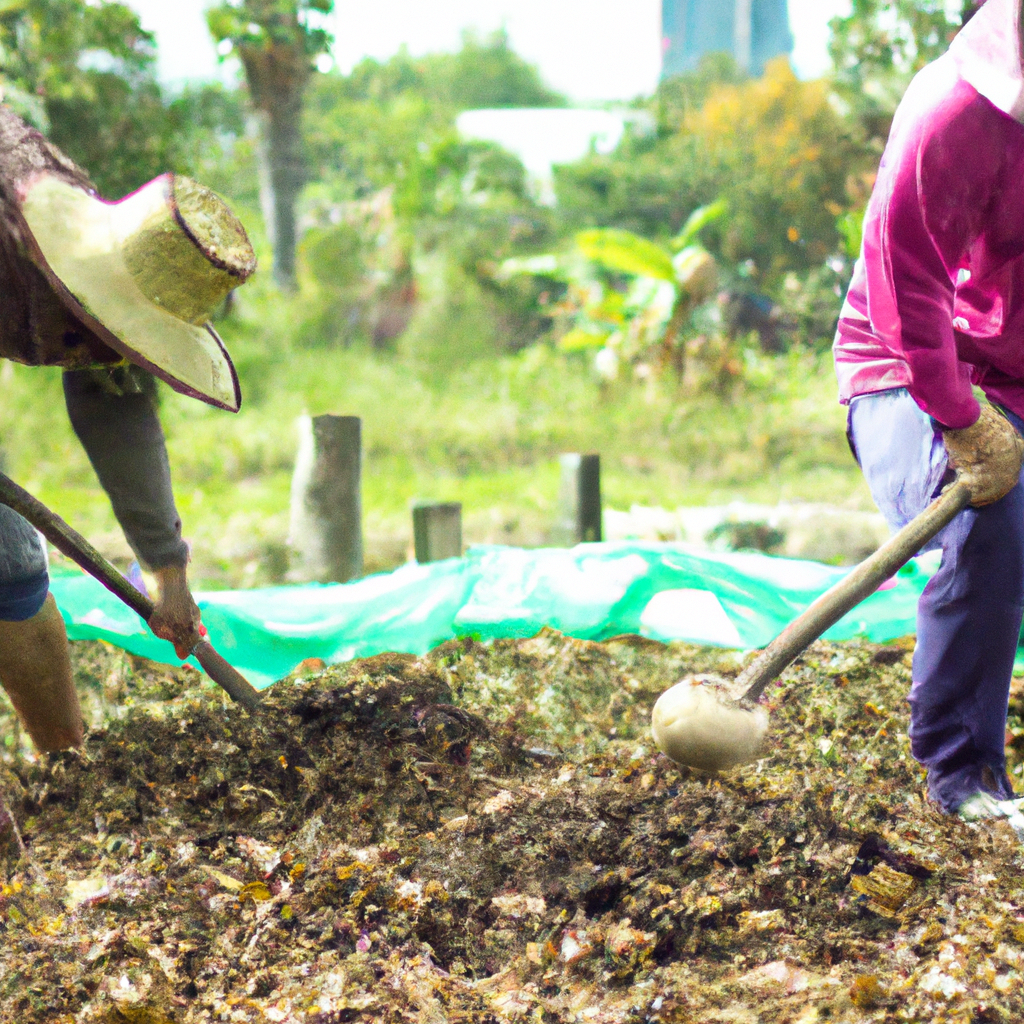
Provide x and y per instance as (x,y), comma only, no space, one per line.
(773,147)
(209,141)
(277,42)
(82,73)
(375,127)
(383,138)
(486,73)
(878,47)
(781,157)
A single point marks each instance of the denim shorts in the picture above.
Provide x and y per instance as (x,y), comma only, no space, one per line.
(24,581)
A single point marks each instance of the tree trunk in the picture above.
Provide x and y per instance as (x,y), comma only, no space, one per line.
(281,177)
(277,78)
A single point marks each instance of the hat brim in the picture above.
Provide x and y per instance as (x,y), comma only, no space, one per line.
(76,239)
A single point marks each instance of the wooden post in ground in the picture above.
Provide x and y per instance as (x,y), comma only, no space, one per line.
(326,534)
(579,501)
(437,530)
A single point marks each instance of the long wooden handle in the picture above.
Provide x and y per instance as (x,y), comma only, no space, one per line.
(863,581)
(78,549)
(226,676)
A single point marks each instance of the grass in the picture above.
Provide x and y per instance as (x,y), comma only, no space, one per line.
(487,434)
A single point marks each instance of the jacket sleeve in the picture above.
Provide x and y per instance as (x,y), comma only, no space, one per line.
(112,413)
(943,196)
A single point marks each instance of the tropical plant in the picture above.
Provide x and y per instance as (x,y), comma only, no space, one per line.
(627,298)
(278,43)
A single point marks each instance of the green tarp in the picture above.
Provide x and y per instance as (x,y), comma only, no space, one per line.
(593,591)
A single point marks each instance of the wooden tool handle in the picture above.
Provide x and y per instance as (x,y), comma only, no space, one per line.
(226,676)
(73,544)
(79,550)
(863,581)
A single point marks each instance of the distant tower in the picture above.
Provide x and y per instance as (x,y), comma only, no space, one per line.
(753,31)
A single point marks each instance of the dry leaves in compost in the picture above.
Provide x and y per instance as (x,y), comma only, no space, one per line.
(486,834)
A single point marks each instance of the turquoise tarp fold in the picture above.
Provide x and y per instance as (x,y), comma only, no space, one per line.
(593,591)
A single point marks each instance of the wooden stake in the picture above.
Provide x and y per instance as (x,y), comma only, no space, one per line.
(579,502)
(326,508)
(437,530)
(862,581)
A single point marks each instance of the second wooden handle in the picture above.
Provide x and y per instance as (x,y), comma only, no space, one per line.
(862,582)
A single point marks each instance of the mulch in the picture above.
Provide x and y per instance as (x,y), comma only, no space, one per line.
(487,834)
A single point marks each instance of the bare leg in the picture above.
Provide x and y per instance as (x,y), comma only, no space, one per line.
(35,670)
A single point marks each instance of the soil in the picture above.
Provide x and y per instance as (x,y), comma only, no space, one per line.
(486,834)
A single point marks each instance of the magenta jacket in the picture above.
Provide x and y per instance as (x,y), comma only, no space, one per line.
(936,303)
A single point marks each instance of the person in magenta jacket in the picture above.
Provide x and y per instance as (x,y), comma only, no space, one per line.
(929,354)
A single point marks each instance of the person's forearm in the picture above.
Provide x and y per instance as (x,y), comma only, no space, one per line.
(122,436)
(176,616)
(941,382)
(922,312)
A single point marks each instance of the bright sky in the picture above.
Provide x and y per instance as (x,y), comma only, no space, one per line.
(592,50)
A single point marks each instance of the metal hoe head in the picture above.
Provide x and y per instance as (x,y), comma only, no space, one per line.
(697,724)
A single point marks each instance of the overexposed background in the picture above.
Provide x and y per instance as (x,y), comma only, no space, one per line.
(591,50)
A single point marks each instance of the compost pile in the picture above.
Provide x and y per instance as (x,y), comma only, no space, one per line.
(486,834)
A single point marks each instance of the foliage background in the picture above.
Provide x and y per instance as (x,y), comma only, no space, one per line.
(402,312)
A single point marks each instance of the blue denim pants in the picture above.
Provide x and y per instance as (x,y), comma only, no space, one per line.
(969,616)
(24,581)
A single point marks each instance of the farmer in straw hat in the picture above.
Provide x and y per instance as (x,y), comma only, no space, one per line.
(106,291)
(930,358)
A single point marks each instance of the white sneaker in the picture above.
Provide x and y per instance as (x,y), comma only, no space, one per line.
(984,806)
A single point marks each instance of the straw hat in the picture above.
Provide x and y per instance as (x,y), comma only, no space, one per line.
(145,273)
